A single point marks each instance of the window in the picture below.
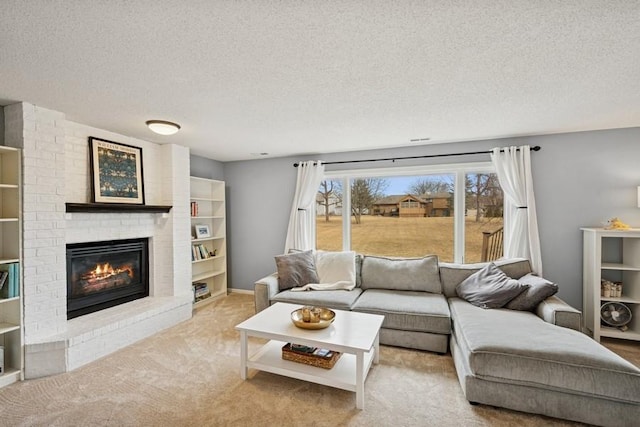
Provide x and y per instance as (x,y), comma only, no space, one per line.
(445,210)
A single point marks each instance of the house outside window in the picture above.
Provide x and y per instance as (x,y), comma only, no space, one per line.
(447,210)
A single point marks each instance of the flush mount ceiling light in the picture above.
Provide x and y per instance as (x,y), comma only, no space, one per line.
(163,127)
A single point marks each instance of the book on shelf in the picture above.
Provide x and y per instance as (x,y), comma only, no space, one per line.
(4,290)
(200,291)
(194,208)
(202,297)
(199,252)
(10,274)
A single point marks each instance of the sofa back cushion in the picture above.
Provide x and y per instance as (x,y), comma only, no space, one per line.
(452,274)
(404,274)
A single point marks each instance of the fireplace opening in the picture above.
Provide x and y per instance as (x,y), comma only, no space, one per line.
(105,274)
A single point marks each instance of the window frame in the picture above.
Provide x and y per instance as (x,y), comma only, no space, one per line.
(458,170)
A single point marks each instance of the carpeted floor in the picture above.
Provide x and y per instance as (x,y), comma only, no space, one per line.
(189,376)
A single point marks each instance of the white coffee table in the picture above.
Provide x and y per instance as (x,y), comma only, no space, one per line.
(356,335)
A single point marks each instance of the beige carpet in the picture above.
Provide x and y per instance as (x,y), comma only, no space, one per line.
(189,376)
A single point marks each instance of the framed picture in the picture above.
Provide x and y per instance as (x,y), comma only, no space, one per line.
(116,172)
(202,231)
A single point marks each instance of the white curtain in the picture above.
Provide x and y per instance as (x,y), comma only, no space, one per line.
(521,238)
(301,233)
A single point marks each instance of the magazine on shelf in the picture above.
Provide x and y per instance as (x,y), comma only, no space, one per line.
(315,351)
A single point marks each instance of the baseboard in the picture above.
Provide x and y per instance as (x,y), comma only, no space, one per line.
(240,291)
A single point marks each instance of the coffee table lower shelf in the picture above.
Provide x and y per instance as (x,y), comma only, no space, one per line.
(342,375)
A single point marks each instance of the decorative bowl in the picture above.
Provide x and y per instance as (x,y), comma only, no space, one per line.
(312,317)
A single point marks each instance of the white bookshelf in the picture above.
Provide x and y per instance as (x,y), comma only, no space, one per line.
(611,255)
(209,196)
(11,330)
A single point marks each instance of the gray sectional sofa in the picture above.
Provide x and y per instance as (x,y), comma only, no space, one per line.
(537,362)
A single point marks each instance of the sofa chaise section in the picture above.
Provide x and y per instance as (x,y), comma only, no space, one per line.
(516,360)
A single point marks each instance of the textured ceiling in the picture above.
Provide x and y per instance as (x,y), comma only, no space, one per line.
(306,77)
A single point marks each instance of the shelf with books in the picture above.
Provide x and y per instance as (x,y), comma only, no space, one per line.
(11,331)
(208,241)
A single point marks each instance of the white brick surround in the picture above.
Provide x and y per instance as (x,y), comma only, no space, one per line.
(55,171)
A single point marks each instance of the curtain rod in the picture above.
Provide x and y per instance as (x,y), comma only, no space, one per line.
(393,159)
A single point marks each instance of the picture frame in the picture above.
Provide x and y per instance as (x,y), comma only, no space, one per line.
(116,172)
(202,231)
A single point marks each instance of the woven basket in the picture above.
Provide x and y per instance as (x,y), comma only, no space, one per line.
(310,359)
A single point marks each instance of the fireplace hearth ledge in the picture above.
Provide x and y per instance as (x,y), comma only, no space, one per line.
(98,334)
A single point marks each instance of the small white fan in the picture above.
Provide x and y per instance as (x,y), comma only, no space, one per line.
(615,314)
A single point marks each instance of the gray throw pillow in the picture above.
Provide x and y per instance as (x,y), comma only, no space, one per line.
(489,288)
(539,290)
(296,269)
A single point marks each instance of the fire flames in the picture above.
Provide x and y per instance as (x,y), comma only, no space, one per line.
(103,271)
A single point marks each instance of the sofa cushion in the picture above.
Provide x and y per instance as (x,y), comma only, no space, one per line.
(517,347)
(403,274)
(539,290)
(407,310)
(489,287)
(340,299)
(296,269)
(451,274)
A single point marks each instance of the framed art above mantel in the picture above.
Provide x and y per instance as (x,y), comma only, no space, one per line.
(116,172)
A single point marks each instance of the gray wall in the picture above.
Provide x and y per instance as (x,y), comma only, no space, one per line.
(206,168)
(580,179)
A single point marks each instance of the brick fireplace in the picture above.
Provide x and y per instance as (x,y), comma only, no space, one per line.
(101,275)
(56,171)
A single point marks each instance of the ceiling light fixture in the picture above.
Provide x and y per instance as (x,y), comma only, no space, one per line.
(163,127)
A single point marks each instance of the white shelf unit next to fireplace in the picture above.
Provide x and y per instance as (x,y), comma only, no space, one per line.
(11,331)
(209,252)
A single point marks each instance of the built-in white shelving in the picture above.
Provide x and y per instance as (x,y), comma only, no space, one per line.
(11,330)
(209,251)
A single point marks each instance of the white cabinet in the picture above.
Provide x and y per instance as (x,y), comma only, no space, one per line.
(612,255)
(208,240)
(11,331)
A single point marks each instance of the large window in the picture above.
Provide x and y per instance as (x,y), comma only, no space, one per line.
(445,210)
